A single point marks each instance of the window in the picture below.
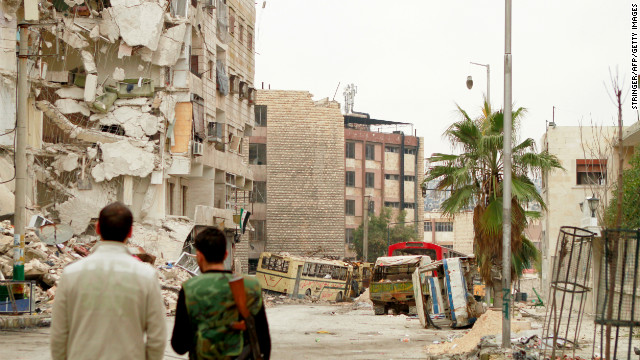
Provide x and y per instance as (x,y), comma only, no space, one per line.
(250,40)
(447,246)
(348,238)
(370,152)
(591,171)
(258,154)
(409,206)
(392,204)
(261,115)
(392,176)
(392,149)
(350,207)
(350,150)
(275,263)
(259,193)
(370,179)
(427,226)
(240,33)
(409,178)
(171,194)
(350,178)
(194,66)
(232,22)
(410,151)
(372,207)
(444,226)
(212,69)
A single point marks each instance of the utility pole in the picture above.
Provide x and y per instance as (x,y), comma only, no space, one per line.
(19,220)
(506,195)
(365,228)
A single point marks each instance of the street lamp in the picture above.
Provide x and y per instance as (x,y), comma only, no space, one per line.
(593,204)
(470,80)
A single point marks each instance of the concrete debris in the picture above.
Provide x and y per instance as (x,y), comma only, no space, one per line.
(135,123)
(88,62)
(80,209)
(66,162)
(90,87)
(109,28)
(124,50)
(118,74)
(123,158)
(169,47)
(72,92)
(141,101)
(75,131)
(140,24)
(70,106)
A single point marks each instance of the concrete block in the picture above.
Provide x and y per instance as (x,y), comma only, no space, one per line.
(90,86)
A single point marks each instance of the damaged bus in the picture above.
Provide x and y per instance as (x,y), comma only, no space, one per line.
(299,276)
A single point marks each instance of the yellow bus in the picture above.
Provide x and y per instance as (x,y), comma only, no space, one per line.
(299,276)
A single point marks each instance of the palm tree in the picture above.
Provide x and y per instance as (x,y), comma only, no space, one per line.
(475,178)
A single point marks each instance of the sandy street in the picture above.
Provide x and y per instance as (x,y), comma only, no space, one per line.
(298,332)
(308,331)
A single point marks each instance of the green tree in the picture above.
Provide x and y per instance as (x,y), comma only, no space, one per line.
(378,233)
(475,178)
(630,197)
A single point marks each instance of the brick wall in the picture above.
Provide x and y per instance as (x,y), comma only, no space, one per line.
(305,173)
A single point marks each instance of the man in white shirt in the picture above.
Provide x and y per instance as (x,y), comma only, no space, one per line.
(109,305)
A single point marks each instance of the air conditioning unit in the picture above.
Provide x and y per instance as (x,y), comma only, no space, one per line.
(198,148)
(234,84)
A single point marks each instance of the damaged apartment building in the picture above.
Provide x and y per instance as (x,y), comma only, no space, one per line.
(148,102)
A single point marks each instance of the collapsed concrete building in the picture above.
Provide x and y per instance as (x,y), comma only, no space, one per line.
(145,102)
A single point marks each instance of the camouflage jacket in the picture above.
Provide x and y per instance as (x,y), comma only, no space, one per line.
(212,309)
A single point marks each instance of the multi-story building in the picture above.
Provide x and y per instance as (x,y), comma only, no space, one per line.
(385,169)
(455,233)
(145,102)
(296,155)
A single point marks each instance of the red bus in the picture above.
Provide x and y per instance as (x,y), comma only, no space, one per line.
(435,252)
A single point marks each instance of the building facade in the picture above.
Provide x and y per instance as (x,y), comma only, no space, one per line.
(296,156)
(385,169)
(153,113)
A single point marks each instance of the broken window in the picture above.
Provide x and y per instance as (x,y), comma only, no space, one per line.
(370,152)
(261,115)
(350,178)
(350,150)
(370,180)
(392,149)
(350,207)
(258,154)
(194,3)
(591,171)
(259,193)
(222,21)
(410,151)
(113,129)
(275,263)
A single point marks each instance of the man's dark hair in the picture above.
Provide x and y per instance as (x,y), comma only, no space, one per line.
(212,243)
(115,222)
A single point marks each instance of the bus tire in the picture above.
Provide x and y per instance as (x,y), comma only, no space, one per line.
(379,309)
(339,297)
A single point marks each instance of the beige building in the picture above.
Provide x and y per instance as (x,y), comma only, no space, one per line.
(296,155)
(454,233)
(386,167)
(155,114)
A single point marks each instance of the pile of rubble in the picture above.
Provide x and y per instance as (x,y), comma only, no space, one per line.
(44,263)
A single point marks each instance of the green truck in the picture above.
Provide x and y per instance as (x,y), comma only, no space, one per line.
(391,284)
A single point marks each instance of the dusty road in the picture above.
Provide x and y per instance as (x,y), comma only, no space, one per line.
(306,331)
(352,334)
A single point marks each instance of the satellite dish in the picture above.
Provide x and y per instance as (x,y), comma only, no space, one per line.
(54,234)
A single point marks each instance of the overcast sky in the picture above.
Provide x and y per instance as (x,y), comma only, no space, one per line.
(410,59)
